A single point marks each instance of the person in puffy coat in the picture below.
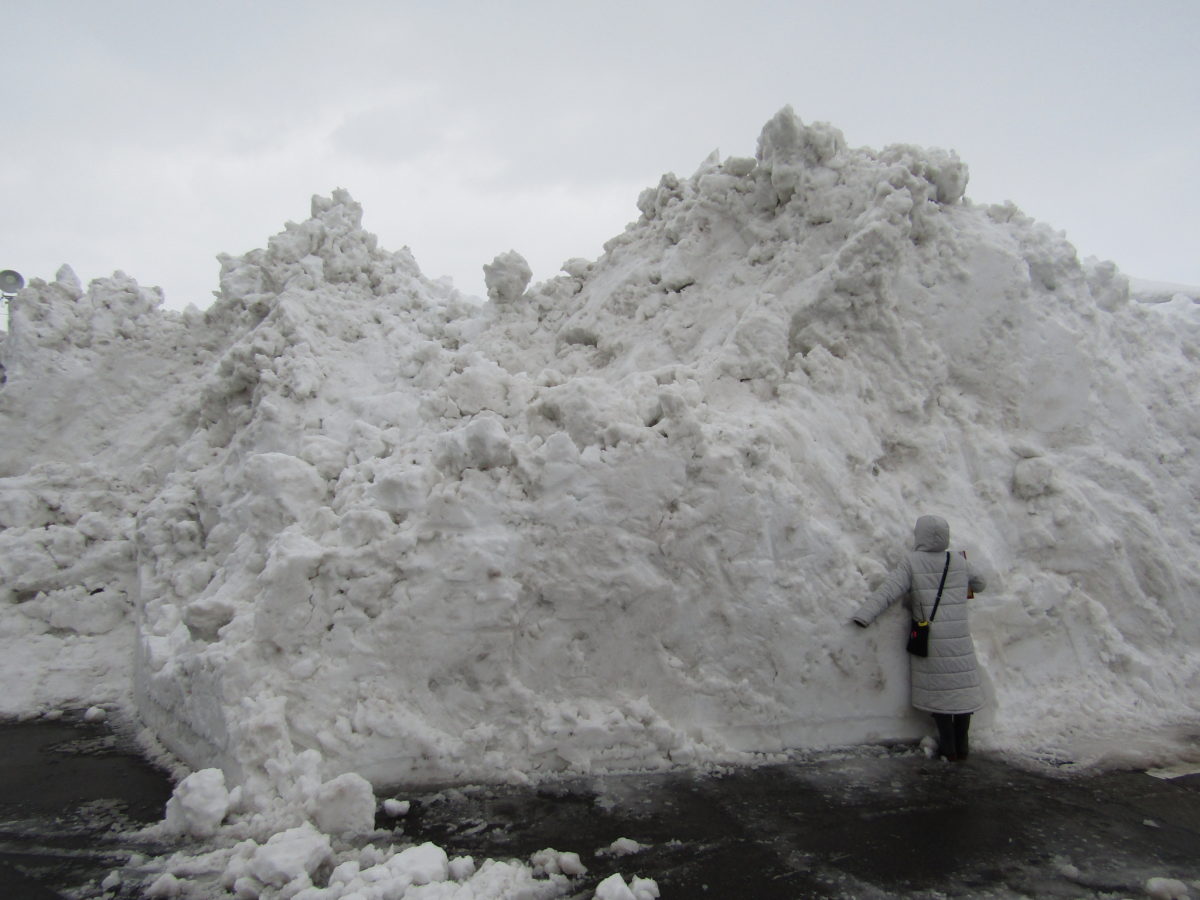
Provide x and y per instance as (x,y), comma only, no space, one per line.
(946,682)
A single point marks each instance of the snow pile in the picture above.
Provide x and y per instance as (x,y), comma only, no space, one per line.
(96,391)
(616,519)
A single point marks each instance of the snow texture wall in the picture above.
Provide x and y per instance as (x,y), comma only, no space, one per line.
(617,519)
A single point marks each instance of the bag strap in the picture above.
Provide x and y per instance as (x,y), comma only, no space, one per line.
(941,584)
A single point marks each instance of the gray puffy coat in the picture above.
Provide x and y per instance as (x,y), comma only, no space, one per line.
(946,681)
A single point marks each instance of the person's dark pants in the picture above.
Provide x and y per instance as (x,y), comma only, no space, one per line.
(952,735)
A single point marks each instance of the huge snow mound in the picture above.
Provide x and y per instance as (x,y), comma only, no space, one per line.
(617,519)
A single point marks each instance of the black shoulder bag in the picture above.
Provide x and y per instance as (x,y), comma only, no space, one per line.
(918,632)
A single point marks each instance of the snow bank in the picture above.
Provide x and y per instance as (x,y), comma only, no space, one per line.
(616,519)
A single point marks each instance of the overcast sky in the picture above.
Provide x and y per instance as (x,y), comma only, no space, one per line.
(150,136)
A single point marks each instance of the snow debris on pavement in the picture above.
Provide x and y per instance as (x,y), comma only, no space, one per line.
(623,847)
(552,862)
(361,530)
(1167,889)
(614,887)
(395,808)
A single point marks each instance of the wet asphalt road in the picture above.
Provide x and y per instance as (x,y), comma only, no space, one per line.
(882,824)
(70,793)
(874,823)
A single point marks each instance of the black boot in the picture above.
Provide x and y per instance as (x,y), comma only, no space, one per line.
(947,737)
(962,725)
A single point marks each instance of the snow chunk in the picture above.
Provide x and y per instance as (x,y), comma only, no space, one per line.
(481,444)
(290,854)
(286,480)
(396,808)
(614,888)
(165,887)
(1167,889)
(624,847)
(198,804)
(553,862)
(577,267)
(462,867)
(506,277)
(739,166)
(345,805)
(423,864)
(1033,478)
(787,148)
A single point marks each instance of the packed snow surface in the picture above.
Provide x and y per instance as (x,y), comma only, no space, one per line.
(348,527)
